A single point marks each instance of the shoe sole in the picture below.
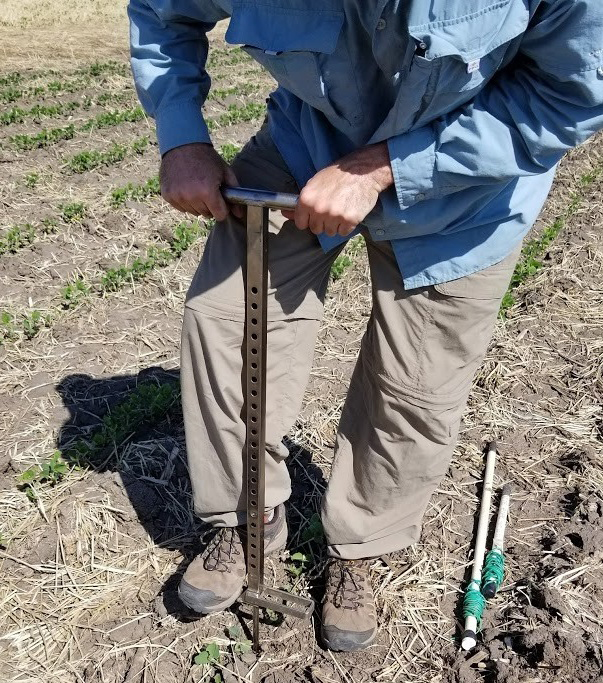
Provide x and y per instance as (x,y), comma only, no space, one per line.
(343,643)
(201,601)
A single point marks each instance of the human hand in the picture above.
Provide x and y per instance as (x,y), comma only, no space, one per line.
(190,177)
(340,196)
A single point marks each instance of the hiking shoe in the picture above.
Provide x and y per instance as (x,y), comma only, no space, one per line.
(215,578)
(349,619)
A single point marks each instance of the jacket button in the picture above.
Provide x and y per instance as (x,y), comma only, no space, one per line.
(380,232)
(381,24)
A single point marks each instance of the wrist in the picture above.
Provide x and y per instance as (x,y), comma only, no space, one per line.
(371,162)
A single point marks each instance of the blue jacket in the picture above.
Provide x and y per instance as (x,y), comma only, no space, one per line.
(477,100)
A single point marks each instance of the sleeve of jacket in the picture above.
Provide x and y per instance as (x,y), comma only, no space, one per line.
(168,45)
(523,121)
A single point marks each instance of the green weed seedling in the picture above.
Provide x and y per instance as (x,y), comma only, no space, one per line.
(33,322)
(243,89)
(121,195)
(10,94)
(51,472)
(74,212)
(239,644)
(236,114)
(314,531)
(8,331)
(88,160)
(31,179)
(340,265)
(139,146)
(11,79)
(74,292)
(16,238)
(210,654)
(300,563)
(115,278)
(14,115)
(185,235)
(45,138)
(110,68)
(49,225)
(114,118)
(229,151)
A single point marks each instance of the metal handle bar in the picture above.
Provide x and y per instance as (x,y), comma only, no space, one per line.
(270,200)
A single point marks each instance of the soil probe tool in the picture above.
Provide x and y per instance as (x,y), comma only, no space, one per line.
(256,292)
(474,602)
(494,566)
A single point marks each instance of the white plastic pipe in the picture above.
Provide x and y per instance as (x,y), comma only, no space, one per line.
(470,633)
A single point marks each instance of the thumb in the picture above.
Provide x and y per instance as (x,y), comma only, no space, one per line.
(231,179)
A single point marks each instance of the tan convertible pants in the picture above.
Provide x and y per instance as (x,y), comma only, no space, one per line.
(410,385)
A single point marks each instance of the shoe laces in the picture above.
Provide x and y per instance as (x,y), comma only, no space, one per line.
(347,583)
(221,549)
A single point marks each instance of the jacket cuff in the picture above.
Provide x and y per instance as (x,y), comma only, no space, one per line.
(412,158)
(180,123)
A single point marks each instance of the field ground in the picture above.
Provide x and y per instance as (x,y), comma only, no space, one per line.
(93,271)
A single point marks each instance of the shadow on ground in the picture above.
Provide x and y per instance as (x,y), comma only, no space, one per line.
(129,430)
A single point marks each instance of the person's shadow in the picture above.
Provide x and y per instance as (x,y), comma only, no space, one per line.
(129,430)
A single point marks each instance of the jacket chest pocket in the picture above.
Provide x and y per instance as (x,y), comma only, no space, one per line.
(304,51)
(470,49)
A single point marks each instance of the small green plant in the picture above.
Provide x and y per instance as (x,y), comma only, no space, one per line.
(3,541)
(210,654)
(33,322)
(89,159)
(300,563)
(10,94)
(31,179)
(45,138)
(242,89)
(185,235)
(74,212)
(11,78)
(239,644)
(121,195)
(236,114)
(140,145)
(51,471)
(74,292)
(8,331)
(49,225)
(229,151)
(340,265)
(16,238)
(114,118)
(314,531)
(14,115)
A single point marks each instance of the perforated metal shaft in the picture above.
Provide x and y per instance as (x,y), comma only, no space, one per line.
(256,312)
(255,357)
